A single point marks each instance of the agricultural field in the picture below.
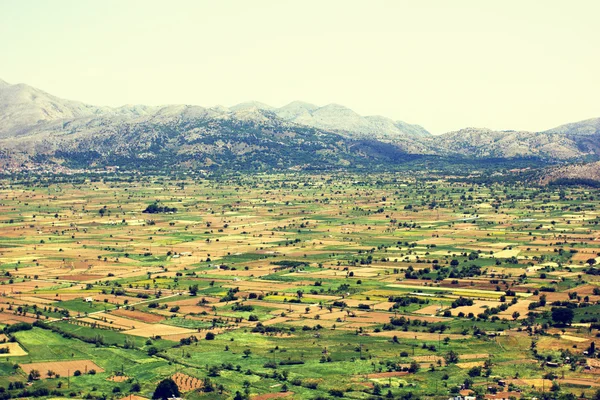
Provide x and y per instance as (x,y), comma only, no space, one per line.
(297,286)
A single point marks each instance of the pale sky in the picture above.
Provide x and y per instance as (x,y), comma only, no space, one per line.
(444,64)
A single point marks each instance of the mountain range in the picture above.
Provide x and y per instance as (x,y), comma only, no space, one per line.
(39,129)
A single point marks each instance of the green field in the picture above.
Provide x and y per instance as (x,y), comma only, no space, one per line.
(296,285)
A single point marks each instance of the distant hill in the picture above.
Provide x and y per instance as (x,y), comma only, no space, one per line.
(576,173)
(336,117)
(486,143)
(37,128)
(586,127)
(23,108)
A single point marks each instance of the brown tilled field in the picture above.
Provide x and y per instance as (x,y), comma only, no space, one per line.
(148,330)
(63,368)
(186,383)
(138,315)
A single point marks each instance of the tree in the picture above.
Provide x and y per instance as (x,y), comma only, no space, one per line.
(193,290)
(207,385)
(468,383)
(238,396)
(34,374)
(165,389)
(562,315)
(376,389)
(451,357)
(414,367)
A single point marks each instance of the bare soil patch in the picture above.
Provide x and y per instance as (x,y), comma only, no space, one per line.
(186,383)
(63,368)
(14,350)
(138,315)
(159,330)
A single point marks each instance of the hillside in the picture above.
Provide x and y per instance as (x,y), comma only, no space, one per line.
(585,127)
(486,143)
(37,128)
(194,137)
(589,171)
(336,117)
(24,108)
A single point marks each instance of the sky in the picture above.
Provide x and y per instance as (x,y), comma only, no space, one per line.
(446,65)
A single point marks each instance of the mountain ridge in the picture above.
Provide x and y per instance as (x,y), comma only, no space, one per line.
(36,126)
(327,117)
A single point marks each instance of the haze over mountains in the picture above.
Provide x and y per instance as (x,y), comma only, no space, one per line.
(336,117)
(36,127)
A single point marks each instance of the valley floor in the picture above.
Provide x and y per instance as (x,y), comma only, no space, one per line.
(297,286)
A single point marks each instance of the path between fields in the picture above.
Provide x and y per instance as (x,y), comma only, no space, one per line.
(103,311)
